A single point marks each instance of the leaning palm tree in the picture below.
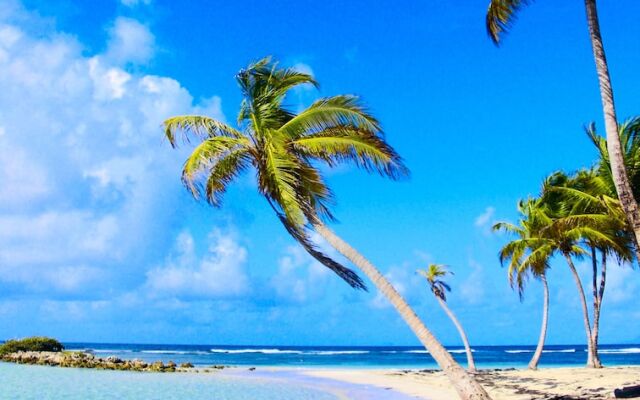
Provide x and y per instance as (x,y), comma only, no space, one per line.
(526,255)
(501,15)
(434,276)
(284,148)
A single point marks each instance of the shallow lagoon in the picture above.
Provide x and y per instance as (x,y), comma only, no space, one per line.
(27,382)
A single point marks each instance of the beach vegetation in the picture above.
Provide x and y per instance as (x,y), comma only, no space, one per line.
(35,343)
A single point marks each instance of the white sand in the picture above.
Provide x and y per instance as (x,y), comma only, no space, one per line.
(579,383)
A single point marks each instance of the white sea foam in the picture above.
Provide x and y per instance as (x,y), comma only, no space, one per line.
(560,351)
(262,351)
(630,350)
(459,351)
(417,351)
(518,351)
(172,352)
(338,352)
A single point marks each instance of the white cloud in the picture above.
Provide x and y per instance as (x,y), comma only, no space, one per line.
(129,42)
(300,277)
(87,181)
(485,218)
(219,273)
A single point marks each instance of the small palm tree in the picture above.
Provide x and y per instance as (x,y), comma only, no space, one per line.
(434,276)
(501,15)
(283,149)
(526,255)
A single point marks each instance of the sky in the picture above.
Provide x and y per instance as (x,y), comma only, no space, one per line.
(99,242)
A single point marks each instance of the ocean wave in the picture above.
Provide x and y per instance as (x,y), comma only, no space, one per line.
(416,351)
(544,351)
(560,351)
(262,351)
(337,352)
(518,351)
(460,351)
(631,350)
(172,352)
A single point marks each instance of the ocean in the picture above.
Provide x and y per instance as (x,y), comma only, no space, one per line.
(33,382)
(358,357)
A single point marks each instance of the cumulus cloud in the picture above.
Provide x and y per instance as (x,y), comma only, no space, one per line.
(87,183)
(218,273)
(130,42)
(300,277)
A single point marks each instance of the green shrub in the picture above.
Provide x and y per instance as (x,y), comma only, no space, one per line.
(36,343)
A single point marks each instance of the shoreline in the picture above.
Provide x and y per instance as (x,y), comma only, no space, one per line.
(389,383)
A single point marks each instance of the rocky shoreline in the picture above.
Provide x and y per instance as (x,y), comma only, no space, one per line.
(77,359)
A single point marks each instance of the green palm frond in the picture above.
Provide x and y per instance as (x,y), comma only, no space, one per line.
(200,126)
(365,150)
(434,275)
(500,16)
(284,148)
(223,172)
(333,112)
(209,156)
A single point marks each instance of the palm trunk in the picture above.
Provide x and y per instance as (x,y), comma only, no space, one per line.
(471,365)
(533,364)
(597,306)
(585,313)
(616,159)
(466,386)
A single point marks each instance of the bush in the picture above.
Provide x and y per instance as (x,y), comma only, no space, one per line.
(31,344)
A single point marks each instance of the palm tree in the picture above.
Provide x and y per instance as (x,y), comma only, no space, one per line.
(587,211)
(439,288)
(284,148)
(529,254)
(501,15)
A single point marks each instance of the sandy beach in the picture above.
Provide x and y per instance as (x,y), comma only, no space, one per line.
(549,383)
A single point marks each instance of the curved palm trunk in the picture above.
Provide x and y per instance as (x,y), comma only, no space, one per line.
(533,364)
(597,306)
(591,360)
(471,365)
(620,178)
(466,386)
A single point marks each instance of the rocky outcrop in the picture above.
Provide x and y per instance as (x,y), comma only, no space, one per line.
(86,360)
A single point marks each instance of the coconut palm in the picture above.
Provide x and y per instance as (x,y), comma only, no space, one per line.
(283,149)
(434,276)
(585,208)
(526,255)
(501,15)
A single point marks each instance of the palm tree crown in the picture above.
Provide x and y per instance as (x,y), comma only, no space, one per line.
(284,149)
(434,275)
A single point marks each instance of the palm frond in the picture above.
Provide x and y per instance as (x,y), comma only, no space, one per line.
(200,126)
(344,144)
(332,112)
(501,15)
(301,237)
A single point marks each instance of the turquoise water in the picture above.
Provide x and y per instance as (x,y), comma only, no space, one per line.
(28,382)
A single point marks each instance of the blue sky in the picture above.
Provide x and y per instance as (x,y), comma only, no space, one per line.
(101,243)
